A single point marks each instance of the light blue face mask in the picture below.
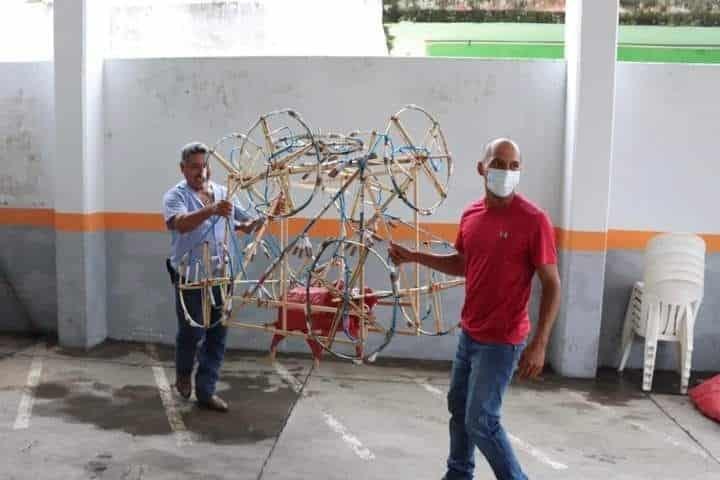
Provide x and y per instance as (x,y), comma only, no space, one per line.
(502,183)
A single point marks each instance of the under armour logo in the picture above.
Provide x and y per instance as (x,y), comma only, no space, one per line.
(504,235)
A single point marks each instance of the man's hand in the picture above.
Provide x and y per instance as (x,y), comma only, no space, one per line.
(222,208)
(453,264)
(400,255)
(279,207)
(532,360)
(250,226)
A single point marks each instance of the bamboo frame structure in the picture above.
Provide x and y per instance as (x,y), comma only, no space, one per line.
(282,167)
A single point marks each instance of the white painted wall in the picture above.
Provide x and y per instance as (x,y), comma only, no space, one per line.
(27,134)
(199,28)
(27,31)
(665,132)
(666,164)
(153,107)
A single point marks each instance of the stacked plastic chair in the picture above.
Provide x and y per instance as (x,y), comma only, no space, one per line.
(664,305)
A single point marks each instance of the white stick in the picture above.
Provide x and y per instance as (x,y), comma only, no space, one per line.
(212,296)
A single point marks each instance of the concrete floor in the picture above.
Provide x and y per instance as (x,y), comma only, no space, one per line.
(105,414)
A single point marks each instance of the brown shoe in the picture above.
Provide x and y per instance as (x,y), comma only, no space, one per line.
(214,403)
(184,386)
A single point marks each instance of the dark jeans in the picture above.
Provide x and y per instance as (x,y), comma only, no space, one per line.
(480,374)
(187,344)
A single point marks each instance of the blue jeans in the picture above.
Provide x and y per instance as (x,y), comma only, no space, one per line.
(480,374)
(187,344)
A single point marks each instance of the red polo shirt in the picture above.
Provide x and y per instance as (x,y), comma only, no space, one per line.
(502,246)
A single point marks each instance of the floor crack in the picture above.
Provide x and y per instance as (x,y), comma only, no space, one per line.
(300,392)
(687,431)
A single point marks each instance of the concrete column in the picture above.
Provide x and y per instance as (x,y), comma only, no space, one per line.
(591,50)
(80,38)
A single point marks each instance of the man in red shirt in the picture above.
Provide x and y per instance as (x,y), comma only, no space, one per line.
(502,242)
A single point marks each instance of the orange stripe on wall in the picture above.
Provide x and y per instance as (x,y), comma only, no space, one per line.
(82,222)
(79,222)
(578,240)
(134,222)
(628,239)
(618,240)
(712,242)
(27,217)
(637,240)
(153,222)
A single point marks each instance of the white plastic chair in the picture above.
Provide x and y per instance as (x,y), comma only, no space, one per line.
(664,306)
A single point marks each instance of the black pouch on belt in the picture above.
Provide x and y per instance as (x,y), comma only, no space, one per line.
(174,277)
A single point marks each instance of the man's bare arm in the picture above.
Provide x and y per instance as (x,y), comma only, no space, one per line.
(549,301)
(450,264)
(533,359)
(187,222)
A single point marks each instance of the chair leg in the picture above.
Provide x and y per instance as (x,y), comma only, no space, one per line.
(651,341)
(627,341)
(649,362)
(627,334)
(686,348)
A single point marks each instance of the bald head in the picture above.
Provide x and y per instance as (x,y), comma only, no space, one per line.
(500,153)
(500,168)
(502,148)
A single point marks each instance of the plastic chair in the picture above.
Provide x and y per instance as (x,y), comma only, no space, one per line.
(664,306)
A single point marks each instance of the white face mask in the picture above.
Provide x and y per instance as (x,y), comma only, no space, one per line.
(502,182)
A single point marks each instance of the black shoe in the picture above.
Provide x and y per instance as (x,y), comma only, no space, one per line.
(214,403)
